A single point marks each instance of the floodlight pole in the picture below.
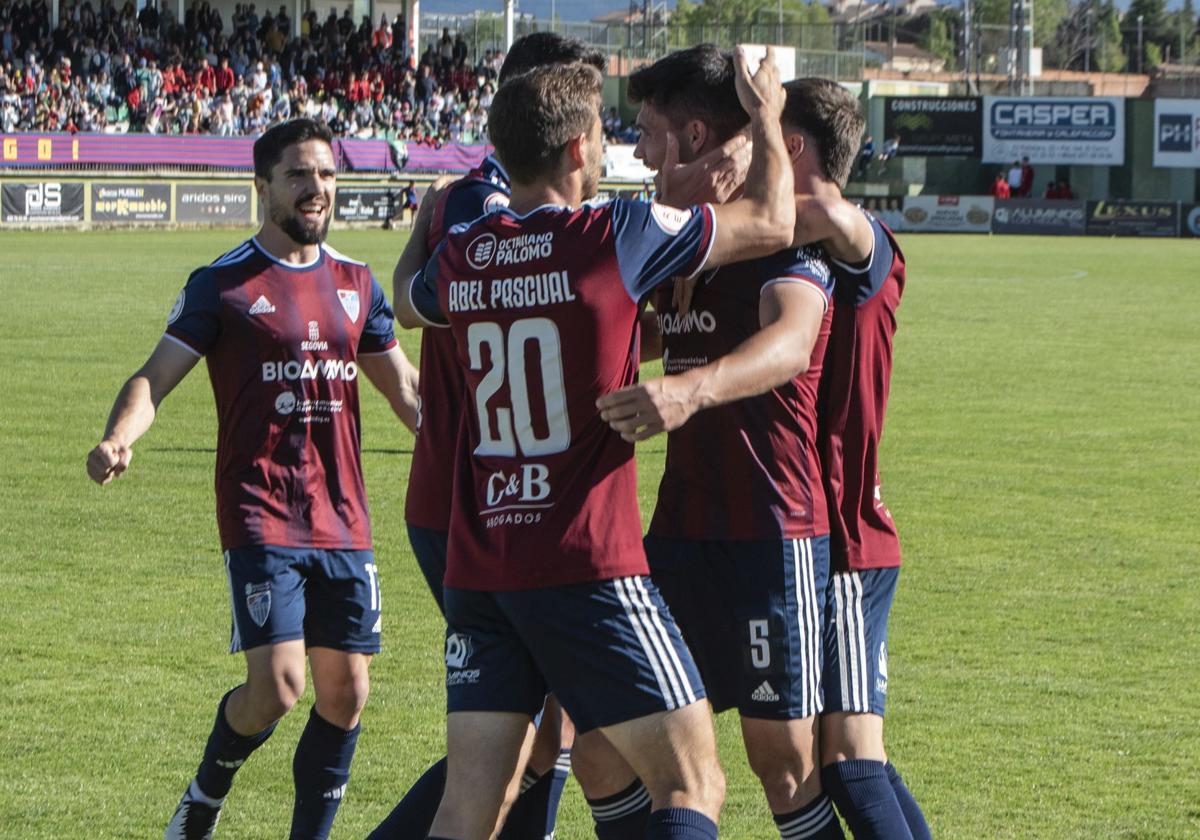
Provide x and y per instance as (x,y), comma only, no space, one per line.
(508,24)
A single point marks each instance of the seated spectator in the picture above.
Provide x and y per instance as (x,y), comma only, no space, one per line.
(1051,190)
(1064,190)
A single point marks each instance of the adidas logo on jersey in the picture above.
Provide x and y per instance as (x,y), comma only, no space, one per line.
(764,694)
(262,306)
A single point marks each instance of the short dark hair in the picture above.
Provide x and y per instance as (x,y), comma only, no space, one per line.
(829,114)
(696,83)
(540,49)
(268,149)
(535,114)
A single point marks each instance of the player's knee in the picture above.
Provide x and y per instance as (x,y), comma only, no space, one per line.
(788,782)
(342,702)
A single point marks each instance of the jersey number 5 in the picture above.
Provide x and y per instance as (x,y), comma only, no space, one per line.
(514,424)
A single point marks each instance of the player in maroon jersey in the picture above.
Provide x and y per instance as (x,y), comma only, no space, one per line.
(822,124)
(746,581)
(546,578)
(286,324)
(427,509)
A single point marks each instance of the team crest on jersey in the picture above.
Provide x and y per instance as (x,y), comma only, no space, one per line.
(494,202)
(177,309)
(349,300)
(285,403)
(481,250)
(669,219)
(258,602)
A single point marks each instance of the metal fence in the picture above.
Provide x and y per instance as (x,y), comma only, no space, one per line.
(828,49)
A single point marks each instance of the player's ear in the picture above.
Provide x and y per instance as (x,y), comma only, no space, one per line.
(576,152)
(795,144)
(695,134)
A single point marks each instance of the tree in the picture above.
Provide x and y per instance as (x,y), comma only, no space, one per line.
(938,39)
(728,22)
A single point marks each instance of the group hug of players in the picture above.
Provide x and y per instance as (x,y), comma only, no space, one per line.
(574,642)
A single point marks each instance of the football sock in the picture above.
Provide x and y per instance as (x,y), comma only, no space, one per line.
(624,815)
(815,821)
(865,799)
(413,815)
(321,769)
(912,811)
(680,824)
(224,753)
(534,814)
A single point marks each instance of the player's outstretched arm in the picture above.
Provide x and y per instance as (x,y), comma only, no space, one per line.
(761,222)
(135,408)
(790,315)
(415,254)
(840,227)
(396,378)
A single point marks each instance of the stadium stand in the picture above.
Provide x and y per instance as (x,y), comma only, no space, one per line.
(110,69)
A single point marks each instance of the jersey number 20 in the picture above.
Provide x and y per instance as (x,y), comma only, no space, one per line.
(514,425)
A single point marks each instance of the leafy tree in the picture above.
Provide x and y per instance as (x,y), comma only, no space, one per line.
(938,39)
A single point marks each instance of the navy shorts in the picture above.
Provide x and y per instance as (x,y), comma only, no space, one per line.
(751,612)
(429,546)
(609,650)
(327,598)
(856,618)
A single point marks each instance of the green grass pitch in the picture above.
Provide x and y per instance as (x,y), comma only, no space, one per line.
(1042,458)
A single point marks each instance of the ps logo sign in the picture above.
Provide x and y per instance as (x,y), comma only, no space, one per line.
(43,198)
(1175,133)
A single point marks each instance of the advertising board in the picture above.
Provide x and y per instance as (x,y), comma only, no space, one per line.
(1133,218)
(1059,130)
(934,125)
(948,213)
(1177,133)
(48,202)
(1189,220)
(212,203)
(1039,216)
(365,204)
(131,202)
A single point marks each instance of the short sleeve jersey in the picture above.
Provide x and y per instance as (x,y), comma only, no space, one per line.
(852,403)
(746,470)
(282,344)
(441,388)
(543,309)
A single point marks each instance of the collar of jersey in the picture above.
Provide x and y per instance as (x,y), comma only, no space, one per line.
(290,266)
(591,202)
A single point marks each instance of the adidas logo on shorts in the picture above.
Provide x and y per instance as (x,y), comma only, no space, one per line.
(262,306)
(764,694)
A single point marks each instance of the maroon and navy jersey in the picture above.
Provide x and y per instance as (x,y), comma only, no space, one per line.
(543,309)
(282,344)
(442,388)
(749,469)
(852,403)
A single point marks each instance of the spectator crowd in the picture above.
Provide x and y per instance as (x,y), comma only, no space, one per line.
(110,68)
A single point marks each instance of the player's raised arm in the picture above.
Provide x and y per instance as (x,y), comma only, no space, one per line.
(761,222)
(135,408)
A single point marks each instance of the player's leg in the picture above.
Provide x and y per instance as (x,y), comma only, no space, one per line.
(268,617)
(413,814)
(342,628)
(535,813)
(855,769)
(493,691)
(619,802)
(617,663)
(779,595)
(483,752)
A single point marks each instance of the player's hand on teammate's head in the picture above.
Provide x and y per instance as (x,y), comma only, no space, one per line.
(107,461)
(762,94)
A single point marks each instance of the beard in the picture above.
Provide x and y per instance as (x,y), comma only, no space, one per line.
(591,175)
(298,229)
